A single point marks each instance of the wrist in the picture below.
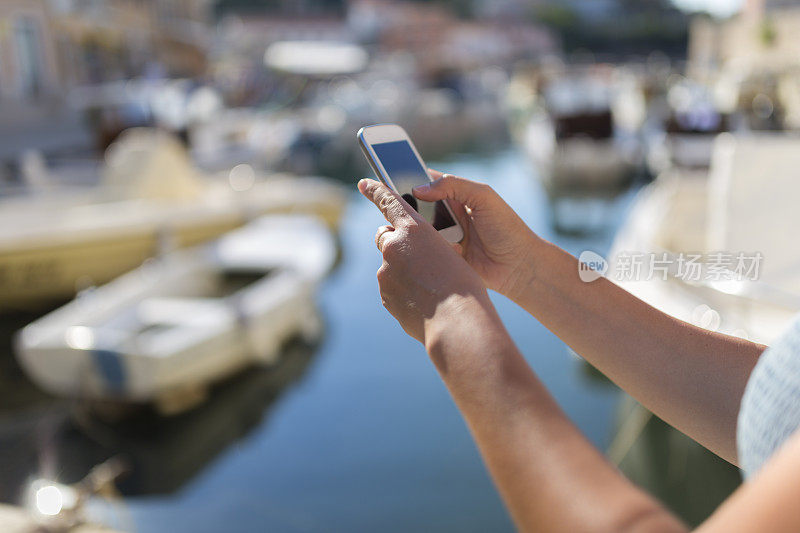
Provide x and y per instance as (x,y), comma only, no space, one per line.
(554,279)
(463,325)
(525,273)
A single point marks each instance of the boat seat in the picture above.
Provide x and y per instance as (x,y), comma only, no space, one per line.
(185,311)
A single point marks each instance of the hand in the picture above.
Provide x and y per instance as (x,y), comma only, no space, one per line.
(497,243)
(422,277)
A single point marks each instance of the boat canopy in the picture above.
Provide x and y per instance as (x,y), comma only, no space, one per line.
(316,58)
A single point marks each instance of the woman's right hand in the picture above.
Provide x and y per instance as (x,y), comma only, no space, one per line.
(497,244)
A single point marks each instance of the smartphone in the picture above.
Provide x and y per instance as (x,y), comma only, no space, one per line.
(396,162)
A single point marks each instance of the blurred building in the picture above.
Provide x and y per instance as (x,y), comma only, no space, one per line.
(616,30)
(594,9)
(28,58)
(758,7)
(182,34)
(248,35)
(433,37)
(438,39)
(31,81)
(753,62)
(103,40)
(764,38)
(50,44)
(49,47)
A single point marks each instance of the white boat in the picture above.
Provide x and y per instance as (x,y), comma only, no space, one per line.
(746,204)
(693,119)
(681,150)
(151,200)
(234,136)
(166,330)
(584,136)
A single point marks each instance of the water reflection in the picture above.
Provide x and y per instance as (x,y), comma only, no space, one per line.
(64,441)
(17,393)
(166,453)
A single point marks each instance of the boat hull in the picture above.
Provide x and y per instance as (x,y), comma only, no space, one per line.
(164,332)
(51,265)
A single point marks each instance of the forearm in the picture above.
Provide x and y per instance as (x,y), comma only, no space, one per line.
(550,476)
(692,378)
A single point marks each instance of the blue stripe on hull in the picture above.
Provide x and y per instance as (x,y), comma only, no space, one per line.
(109,366)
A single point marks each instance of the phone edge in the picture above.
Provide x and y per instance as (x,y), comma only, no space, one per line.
(362,143)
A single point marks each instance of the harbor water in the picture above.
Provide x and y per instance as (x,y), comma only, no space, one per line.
(357,433)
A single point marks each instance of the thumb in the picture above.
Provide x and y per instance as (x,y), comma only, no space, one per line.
(448,187)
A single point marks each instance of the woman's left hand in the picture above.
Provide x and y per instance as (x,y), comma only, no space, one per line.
(420,270)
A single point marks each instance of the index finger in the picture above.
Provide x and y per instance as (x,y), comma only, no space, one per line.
(394,209)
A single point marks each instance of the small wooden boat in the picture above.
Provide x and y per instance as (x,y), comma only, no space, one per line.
(165,331)
(152,199)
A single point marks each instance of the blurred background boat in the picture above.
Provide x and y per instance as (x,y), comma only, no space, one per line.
(690,121)
(151,200)
(742,205)
(167,330)
(445,108)
(584,133)
(585,137)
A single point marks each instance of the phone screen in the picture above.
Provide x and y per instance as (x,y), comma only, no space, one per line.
(406,172)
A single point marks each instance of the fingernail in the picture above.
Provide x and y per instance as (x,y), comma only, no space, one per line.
(422,188)
(361,184)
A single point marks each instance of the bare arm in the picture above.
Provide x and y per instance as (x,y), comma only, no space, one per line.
(690,377)
(550,477)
